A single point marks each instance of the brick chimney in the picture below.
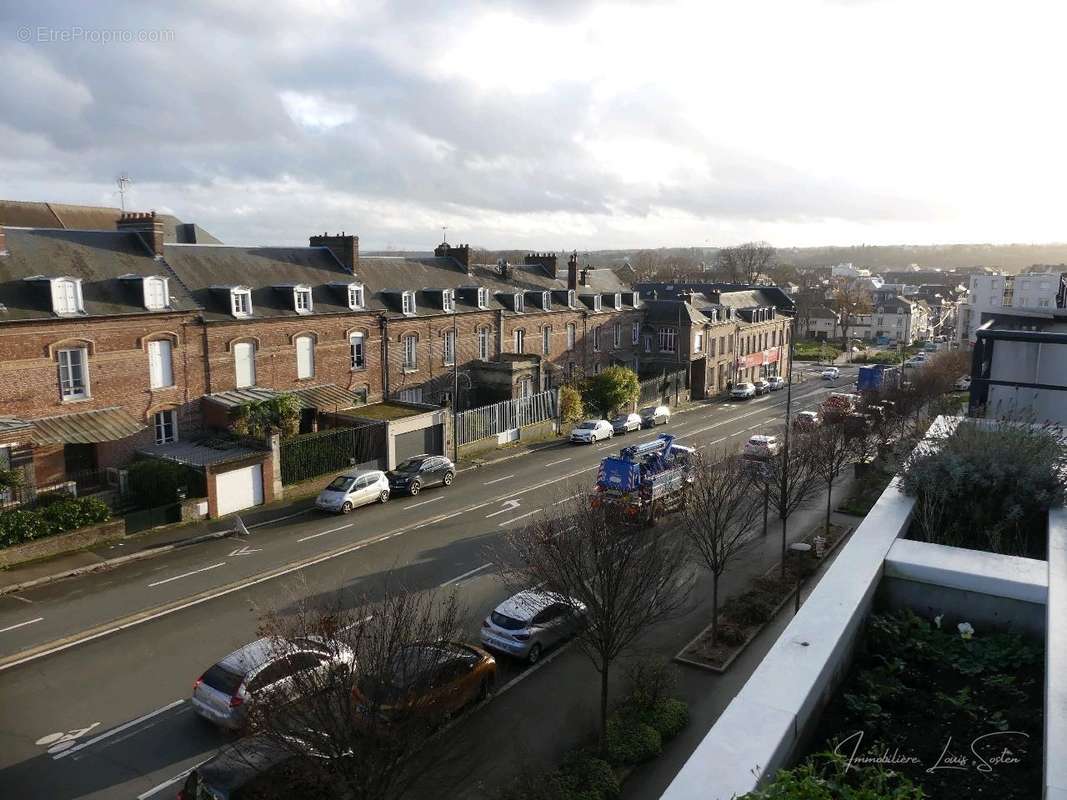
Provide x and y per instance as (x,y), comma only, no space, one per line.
(572,271)
(460,253)
(345,248)
(546,261)
(145,225)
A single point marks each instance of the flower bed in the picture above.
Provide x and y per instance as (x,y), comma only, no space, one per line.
(742,618)
(956,712)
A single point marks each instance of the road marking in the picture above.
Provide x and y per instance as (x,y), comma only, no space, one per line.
(553,463)
(423,502)
(20,625)
(245,551)
(119,729)
(564,500)
(474,571)
(186,574)
(323,533)
(181,775)
(23,599)
(509,505)
(497,480)
(720,441)
(516,519)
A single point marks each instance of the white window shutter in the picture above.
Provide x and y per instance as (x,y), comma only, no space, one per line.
(244,364)
(305,357)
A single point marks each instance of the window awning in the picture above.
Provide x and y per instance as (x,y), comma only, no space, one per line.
(325,397)
(86,427)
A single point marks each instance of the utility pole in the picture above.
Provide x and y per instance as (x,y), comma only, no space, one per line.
(455,383)
(788,425)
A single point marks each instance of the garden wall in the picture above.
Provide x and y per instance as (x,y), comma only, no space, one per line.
(528,434)
(63,543)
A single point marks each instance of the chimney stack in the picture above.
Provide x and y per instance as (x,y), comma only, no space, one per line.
(460,253)
(546,261)
(504,267)
(345,248)
(572,271)
(145,225)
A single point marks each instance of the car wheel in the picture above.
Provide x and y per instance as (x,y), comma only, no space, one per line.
(414,488)
(346,507)
(534,655)
(383,496)
(449,477)
(483,690)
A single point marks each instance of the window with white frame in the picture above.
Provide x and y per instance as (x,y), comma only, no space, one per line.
(483,298)
(155,293)
(357,349)
(166,425)
(570,298)
(546,301)
(698,343)
(449,347)
(520,302)
(305,357)
(407,300)
(448,303)
(635,333)
(160,363)
(520,341)
(596,339)
(302,300)
(616,335)
(546,340)
(597,305)
(668,340)
(483,344)
(244,364)
(618,300)
(355,296)
(648,344)
(636,300)
(570,335)
(241,302)
(73,373)
(67,296)
(411,351)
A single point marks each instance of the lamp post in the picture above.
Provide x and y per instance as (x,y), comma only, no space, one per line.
(798,549)
(455,383)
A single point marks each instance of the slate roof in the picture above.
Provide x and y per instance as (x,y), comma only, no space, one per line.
(99,258)
(729,294)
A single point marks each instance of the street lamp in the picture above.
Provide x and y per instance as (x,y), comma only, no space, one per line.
(798,549)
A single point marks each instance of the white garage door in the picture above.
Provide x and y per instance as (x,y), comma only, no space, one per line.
(240,488)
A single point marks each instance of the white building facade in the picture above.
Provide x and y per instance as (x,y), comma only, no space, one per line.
(1030,291)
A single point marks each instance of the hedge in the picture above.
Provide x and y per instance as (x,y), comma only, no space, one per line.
(57,516)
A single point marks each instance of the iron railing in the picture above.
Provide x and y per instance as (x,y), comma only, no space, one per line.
(491,420)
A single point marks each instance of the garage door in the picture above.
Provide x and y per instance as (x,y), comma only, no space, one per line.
(239,488)
(427,440)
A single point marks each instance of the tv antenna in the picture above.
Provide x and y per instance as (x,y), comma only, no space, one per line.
(444,234)
(123,181)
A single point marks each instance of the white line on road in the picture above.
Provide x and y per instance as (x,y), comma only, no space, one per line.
(564,500)
(424,502)
(119,729)
(323,533)
(509,505)
(21,624)
(186,574)
(467,574)
(516,519)
(23,599)
(184,773)
(553,463)
(497,480)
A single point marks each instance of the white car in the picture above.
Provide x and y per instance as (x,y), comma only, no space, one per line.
(830,374)
(527,624)
(624,423)
(964,384)
(655,415)
(592,430)
(762,446)
(353,489)
(743,391)
(775,382)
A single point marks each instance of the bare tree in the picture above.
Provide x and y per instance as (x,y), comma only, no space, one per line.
(851,301)
(745,263)
(620,582)
(354,709)
(832,447)
(792,481)
(719,515)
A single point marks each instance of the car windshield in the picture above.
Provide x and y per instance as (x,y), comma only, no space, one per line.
(342,483)
(222,680)
(587,426)
(506,622)
(411,465)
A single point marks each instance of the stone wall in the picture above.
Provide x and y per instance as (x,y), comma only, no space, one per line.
(63,543)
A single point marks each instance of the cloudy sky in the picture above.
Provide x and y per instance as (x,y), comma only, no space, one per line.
(547,123)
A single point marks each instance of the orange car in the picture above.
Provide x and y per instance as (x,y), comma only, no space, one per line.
(433,678)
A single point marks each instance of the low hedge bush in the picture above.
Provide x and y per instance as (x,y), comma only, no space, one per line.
(20,526)
(751,608)
(730,634)
(668,717)
(630,741)
(56,516)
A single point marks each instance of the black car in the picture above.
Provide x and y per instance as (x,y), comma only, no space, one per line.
(250,768)
(418,472)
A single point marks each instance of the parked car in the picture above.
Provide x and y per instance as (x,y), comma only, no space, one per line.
(624,423)
(762,446)
(655,415)
(352,489)
(775,382)
(418,472)
(530,622)
(432,678)
(263,670)
(592,430)
(807,420)
(743,391)
(830,374)
(239,772)
(963,384)
(761,386)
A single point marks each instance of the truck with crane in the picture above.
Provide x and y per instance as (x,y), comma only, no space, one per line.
(645,481)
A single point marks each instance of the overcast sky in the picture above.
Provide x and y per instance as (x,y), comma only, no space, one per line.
(548,123)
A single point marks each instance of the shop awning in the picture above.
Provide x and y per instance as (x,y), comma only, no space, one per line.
(86,427)
(325,397)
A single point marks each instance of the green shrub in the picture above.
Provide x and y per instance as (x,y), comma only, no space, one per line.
(570,404)
(651,681)
(751,608)
(154,482)
(62,516)
(667,717)
(586,776)
(93,511)
(827,777)
(46,499)
(20,526)
(632,742)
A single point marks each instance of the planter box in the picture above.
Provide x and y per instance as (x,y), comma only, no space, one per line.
(63,543)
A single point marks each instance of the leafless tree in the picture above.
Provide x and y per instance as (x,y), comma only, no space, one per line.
(745,263)
(720,513)
(851,301)
(353,711)
(831,448)
(621,581)
(792,481)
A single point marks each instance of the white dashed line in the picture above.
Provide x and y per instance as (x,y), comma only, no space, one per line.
(554,463)
(516,519)
(474,571)
(20,625)
(186,574)
(323,533)
(424,502)
(497,480)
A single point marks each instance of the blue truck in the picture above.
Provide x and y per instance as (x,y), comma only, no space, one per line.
(878,378)
(645,481)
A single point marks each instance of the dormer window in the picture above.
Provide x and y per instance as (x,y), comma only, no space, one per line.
(156,295)
(636,300)
(520,304)
(302,299)
(448,302)
(355,296)
(407,303)
(241,302)
(618,300)
(597,303)
(483,298)
(546,301)
(67,296)
(570,298)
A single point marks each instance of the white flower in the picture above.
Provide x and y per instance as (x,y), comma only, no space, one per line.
(937,620)
(965,629)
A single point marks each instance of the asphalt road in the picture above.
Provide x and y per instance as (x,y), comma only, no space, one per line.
(93,693)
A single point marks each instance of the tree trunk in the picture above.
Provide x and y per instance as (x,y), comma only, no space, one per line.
(829,492)
(766,501)
(714,608)
(604,710)
(784,533)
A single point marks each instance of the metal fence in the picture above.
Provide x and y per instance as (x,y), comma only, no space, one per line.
(314,454)
(664,387)
(479,423)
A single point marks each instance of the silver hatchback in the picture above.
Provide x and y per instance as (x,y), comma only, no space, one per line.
(530,622)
